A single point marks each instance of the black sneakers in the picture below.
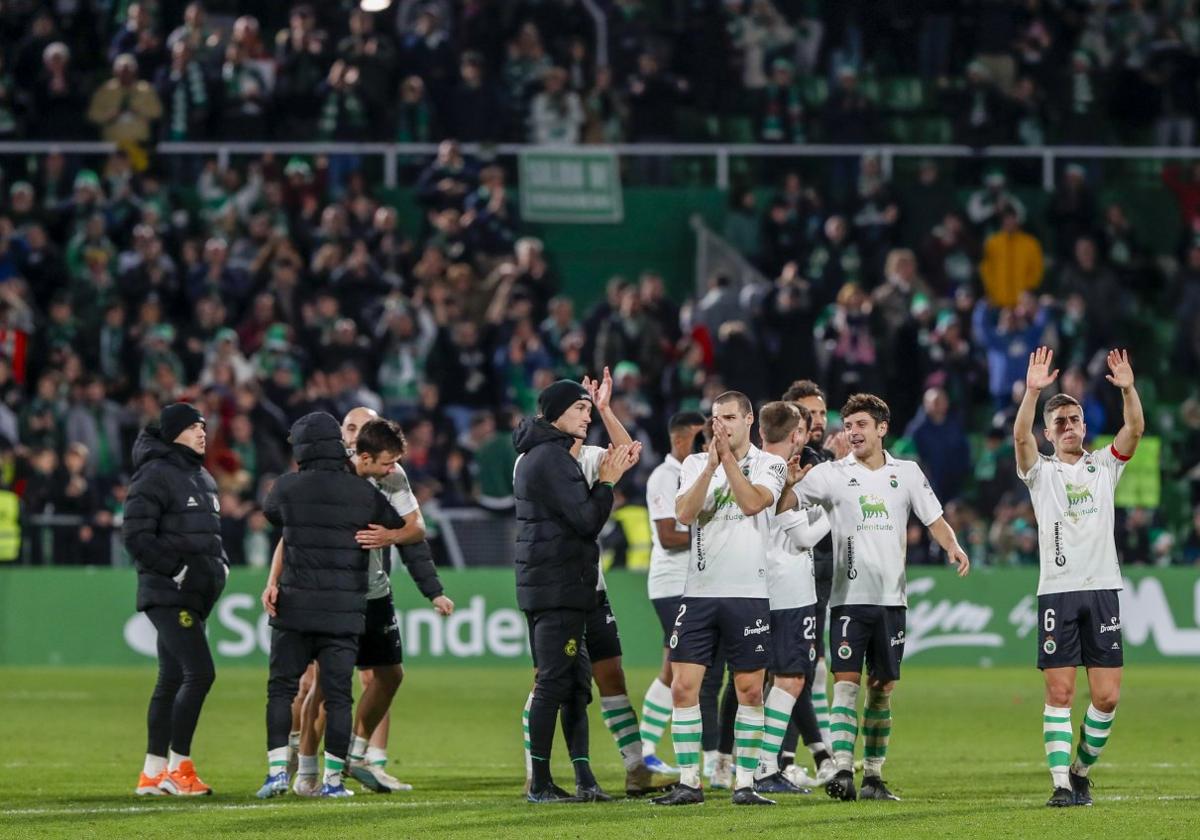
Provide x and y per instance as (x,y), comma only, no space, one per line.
(681,795)
(841,786)
(549,795)
(1061,798)
(1081,787)
(591,793)
(747,796)
(777,783)
(873,787)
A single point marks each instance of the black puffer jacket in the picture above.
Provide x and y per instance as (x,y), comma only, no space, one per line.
(323,588)
(558,520)
(172,520)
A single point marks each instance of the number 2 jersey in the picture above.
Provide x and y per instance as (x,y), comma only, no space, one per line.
(729,549)
(1073,504)
(868,512)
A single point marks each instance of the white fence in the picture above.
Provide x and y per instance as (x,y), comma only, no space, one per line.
(721,154)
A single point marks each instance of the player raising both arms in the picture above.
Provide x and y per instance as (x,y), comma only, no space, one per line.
(1079,614)
(869,496)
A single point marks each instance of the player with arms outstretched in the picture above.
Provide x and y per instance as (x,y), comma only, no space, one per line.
(1079,613)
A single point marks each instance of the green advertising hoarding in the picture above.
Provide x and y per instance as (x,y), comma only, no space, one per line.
(86,617)
(571,186)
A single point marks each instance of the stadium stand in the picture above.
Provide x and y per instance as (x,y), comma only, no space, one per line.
(265,286)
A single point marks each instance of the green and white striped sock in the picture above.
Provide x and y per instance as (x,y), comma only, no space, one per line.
(333,769)
(820,701)
(686,729)
(748,727)
(377,757)
(843,724)
(358,749)
(622,723)
(877,729)
(1093,735)
(656,714)
(277,760)
(1056,733)
(525,729)
(777,713)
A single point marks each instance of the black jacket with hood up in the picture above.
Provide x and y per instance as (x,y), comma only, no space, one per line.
(558,520)
(172,520)
(323,588)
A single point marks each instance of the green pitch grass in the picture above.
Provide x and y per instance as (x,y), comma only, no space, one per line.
(966,756)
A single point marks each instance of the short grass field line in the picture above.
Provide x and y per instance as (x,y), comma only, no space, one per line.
(216,806)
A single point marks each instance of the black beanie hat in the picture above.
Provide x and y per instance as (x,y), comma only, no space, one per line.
(558,397)
(175,418)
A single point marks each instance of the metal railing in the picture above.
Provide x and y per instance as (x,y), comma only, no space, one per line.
(392,154)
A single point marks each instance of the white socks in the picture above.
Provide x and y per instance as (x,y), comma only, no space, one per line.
(358,749)
(277,761)
(175,759)
(154,765)
(307,766)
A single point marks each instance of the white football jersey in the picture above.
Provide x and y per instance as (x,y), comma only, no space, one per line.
(1074,508)
(868,513)
(790,558)
(399,493)
(728,556)
(668,568)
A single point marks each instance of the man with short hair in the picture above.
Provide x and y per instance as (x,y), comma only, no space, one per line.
(810,715)
(319,610)
(172,529)
(559,517)
(668,572)
(869,496)
(376,447)
(1079,611)
(727,494)
(793,593)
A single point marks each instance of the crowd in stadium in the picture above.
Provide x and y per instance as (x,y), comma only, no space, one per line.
(287,286)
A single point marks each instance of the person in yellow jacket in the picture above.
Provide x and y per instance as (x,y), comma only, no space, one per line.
(1012,262)
(125,106)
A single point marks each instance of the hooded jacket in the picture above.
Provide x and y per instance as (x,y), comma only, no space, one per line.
(172,520)
(323,588)
(558,520)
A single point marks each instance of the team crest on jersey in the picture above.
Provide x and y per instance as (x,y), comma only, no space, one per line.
(844,651)
(873,507)
(674,641)
(1048,646)
(1091,468)
(894,482)
(571,647)
(185,619)
(812,654)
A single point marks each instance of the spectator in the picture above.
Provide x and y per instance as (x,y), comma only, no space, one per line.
(448,178)
(630,334)
(1006,343)
(556,115)
(244,96)
(781,115)
(1175,70)
(1189,555)
(184,88)
(1012,262)
(986,206)
(606,110)
(1072,211)
(942,445)
(1098,286)
(850,345)
(742,225)
(926,202)
(125,107)
(57,98)
(1083,119)
(653,96)
(979,110)
(1186,191)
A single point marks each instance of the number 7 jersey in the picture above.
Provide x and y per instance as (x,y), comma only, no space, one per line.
(868,512)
